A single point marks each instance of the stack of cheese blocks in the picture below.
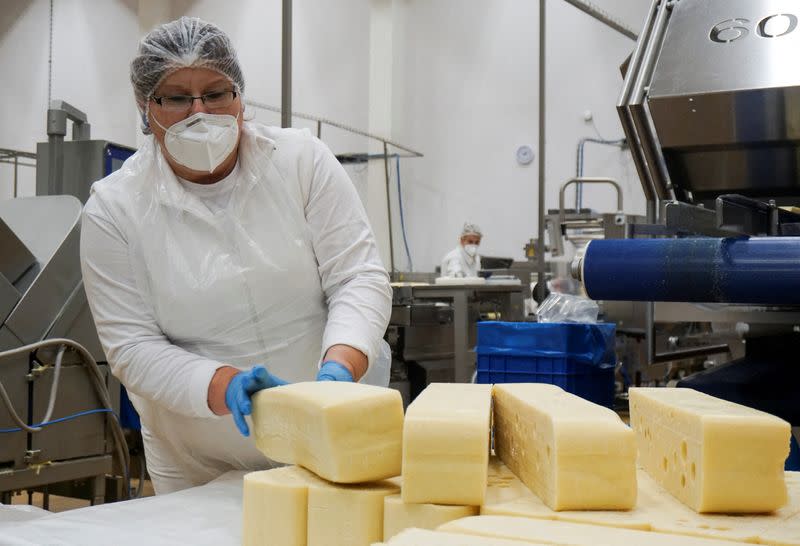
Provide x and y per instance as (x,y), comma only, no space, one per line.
(365,474)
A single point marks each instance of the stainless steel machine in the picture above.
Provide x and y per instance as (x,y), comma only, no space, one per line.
(59,425)
(432,329)
(711,110)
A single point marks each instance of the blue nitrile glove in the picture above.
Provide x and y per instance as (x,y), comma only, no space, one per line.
(334,371)
(242,387)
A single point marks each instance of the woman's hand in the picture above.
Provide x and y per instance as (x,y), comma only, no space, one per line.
(239,388)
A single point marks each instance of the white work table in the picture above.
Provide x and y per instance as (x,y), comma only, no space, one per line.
(209,514)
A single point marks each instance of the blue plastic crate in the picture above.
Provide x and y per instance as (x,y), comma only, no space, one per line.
(579,358)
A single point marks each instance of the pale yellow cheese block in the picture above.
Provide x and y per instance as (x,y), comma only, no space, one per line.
(275,506)
(347,515)
(343,432)
(446,444)
(571,534)
(575,455)
(424,537)
(398,515)
(713,455)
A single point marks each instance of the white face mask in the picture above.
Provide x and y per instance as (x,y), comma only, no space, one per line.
(471,250)
(202,141)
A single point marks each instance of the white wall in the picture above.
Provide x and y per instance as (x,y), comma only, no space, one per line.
(93,42)
(465,94)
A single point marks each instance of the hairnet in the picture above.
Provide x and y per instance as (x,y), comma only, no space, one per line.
(187,42)
(471,229)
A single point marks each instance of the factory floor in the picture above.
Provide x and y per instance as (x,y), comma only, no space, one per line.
(62,504)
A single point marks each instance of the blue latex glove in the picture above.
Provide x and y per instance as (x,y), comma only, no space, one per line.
(242,387)
(334,371)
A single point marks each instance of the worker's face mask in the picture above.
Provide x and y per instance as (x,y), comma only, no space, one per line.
(471,250)
(202,141)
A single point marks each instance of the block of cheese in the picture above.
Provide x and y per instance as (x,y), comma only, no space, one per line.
(446,444)
(343,432)
(275,506)
(347,515)
(575,455)
(713,455)
(398,515)
(424,537)
(506,495)
(565,533)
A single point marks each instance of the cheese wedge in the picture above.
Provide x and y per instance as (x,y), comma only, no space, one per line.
(343,432)
(713,455)
(575,455)
(398,515)
(446,444)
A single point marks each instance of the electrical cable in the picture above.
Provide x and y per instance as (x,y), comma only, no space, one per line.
(59,420)
(100,388)
(402,215)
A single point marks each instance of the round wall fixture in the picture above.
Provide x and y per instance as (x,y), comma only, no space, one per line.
(525,155)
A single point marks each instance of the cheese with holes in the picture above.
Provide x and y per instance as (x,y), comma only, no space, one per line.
(506,495)
(275,506)
(713,455)
(347,515)
(423,537)
(564,533)
(446,444)
(343,432)
(398,515)
(575,455)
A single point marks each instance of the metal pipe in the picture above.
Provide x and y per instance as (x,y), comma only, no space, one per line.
(541,282)
(388,205)
(586,180)
(286,65)
(603,17)
(348,128)
(16,175)
(623,105)
(658,176)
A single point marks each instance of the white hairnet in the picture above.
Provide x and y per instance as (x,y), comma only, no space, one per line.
(187,42)
(471,229)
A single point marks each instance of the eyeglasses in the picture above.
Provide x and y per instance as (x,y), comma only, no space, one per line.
(216,100)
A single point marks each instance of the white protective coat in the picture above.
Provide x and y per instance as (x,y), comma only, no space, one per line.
(457,263)
(179,288)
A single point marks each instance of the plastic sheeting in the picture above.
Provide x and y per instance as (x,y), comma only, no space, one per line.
(591,344)
(209,514)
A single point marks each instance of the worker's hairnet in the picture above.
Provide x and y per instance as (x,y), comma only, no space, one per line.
(471,229)
(187,42)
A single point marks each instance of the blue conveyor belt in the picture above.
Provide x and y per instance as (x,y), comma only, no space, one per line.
(759,270)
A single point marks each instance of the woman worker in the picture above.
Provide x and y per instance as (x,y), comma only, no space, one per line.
(224,257)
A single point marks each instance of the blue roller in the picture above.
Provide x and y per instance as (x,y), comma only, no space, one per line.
(761,270)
